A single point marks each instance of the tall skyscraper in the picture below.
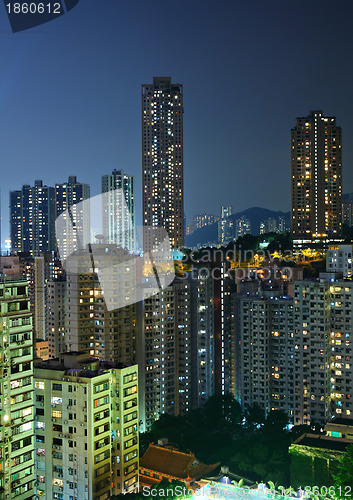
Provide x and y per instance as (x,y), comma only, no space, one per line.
(316,162)
(32,218)
(162,157)
(67,196)
(119,223)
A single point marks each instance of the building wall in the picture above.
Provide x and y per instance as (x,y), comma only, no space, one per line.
(16,392)
(86,432)
(312,352)
(164,352)
(339,260)
(202,337)
(56,316)
(341,348)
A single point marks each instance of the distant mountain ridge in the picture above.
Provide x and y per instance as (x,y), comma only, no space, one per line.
(256,215)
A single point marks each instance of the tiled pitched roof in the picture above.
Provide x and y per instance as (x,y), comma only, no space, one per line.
(174,463)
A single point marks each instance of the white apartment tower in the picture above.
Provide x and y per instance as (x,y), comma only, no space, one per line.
(119,222)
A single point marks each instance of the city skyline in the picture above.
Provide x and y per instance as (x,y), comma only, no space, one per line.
(129,355)
(97,132)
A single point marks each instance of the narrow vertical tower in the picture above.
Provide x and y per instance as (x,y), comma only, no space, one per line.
(316,162)
(162,157)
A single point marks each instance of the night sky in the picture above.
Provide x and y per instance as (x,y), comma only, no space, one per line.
(70,93)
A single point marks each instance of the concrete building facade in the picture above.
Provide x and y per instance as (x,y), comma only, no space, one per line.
(86,428)
(16,391)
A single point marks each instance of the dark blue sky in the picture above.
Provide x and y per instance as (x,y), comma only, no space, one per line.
(70,92)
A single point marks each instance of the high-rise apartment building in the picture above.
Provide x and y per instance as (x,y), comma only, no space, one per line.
(226,229)
(271,225)
(16,221)
(56,304)
(86,428)
(164,353)
(119,222)
(312,352)
(242,227)
(347,209)
(75,228)
(39,298)
(223,324)
(202,336)
(16,391)
(162,157)
(32,218)
(94,321)
(296,354)
(316,168)
(341,301)
(201,220)
(339,260)
(264,348)
(37,270)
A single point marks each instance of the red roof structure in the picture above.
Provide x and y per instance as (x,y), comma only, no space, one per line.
(165,463)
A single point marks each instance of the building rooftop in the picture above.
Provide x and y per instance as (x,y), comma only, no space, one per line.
(323,442)
(341,421)
(174,463)
(78,364)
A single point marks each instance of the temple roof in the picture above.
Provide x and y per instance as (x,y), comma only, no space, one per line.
(174,463)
